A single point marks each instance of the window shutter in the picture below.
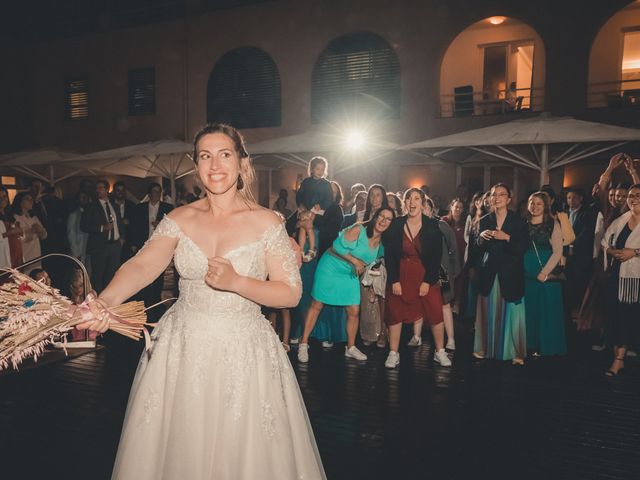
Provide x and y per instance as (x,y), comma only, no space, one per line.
(76,99)
(358,70)
(244,90)
(142,91)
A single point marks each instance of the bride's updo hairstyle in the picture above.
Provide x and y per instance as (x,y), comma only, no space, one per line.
(247,173)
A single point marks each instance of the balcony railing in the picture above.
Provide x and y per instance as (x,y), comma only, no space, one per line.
(620,93)
(464,102)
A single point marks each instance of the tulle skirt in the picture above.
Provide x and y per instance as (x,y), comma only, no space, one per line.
(209,404)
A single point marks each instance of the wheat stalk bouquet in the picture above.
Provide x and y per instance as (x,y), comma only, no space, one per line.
(34,315)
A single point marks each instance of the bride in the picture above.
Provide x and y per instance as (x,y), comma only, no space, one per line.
(216,397)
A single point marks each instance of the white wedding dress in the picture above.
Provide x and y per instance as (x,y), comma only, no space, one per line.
(216,397)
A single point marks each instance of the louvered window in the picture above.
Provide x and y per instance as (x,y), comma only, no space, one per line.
(142,91)
(76,99)
(359,70)
(244,90)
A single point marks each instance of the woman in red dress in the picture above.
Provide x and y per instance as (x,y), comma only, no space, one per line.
(413,249)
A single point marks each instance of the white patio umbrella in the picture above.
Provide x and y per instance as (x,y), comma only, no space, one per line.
(166,158)
(542,143)
(347,150)
(48,164)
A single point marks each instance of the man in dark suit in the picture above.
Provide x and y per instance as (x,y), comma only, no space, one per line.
(148,216)
(102,221)
(127,213)
(580,254)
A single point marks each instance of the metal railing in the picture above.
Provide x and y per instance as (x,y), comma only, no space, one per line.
(618,93)
(465,102)
(86,283)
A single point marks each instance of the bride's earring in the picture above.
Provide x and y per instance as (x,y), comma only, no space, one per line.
(240,183)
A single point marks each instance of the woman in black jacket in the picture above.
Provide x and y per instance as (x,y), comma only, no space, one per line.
(500,331)
(412,253)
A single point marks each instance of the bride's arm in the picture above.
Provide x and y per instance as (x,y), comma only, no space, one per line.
(281,290)
(148,264)
(140,271)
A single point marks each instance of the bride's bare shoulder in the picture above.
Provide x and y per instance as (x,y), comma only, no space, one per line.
(189,211)
(263,218)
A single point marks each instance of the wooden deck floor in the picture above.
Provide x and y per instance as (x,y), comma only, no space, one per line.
(552,419)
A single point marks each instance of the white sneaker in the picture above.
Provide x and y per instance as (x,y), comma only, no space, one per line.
(442,358)
(326,344)
(598,348)
(631,353)
(393,360)
(451,344)
(303,352)
(353,352)
(415,341)
(294,341)
(310,255)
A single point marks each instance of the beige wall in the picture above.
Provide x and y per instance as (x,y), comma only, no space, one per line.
(463,62)
(605,58)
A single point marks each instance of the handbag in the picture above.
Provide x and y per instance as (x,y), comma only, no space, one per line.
(557,274)
(443,277)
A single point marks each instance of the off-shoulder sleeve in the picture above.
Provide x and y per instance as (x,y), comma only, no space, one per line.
(280,257)
(167,228)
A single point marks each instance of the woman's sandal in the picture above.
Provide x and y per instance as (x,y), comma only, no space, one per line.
(611,373)
(286,347)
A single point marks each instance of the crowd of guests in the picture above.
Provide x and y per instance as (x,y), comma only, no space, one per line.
(524,274)
(102,227)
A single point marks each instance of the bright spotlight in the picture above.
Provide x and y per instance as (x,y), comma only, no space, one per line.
(355,140)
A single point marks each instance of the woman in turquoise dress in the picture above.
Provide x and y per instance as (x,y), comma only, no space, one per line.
(543,298)
(336,280)
(330,327)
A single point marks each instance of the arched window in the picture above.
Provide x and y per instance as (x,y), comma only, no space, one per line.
(244,90)
(614,61)
(356,70)
(494,66)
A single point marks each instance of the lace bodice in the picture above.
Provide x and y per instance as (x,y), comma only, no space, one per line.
(229,311)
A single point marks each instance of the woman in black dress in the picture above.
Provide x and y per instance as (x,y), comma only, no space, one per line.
(622,244)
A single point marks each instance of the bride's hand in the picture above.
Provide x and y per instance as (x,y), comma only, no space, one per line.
(100,321)
(99,326)
(221,274)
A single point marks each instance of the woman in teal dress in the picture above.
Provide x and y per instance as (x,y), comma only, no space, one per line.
(330,327)
(543,298)
(336,280)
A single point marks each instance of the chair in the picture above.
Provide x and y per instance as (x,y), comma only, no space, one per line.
(463,101)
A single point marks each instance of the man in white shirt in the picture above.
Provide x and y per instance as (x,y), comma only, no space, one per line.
(119,198)
(102,221)
(148,216)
